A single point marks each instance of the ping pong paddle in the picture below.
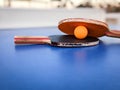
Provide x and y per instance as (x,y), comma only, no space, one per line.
(95,28)
(57,40)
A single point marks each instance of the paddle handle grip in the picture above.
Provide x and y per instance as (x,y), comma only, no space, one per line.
(113,33)
(32,40)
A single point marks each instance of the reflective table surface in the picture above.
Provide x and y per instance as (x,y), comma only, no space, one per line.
(44,67)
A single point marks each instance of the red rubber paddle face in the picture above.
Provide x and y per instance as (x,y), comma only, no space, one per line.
(95,28)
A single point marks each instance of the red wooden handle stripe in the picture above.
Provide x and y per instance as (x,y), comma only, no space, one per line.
(113,33)
(31,40)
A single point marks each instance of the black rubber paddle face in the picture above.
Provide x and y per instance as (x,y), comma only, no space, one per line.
(71,41)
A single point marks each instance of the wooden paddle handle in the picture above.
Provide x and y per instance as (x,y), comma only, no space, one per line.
(31,40)
(113,33)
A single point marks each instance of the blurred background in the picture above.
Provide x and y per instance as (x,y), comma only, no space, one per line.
(37,13)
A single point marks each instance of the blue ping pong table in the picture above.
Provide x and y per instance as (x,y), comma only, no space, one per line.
(45,67)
